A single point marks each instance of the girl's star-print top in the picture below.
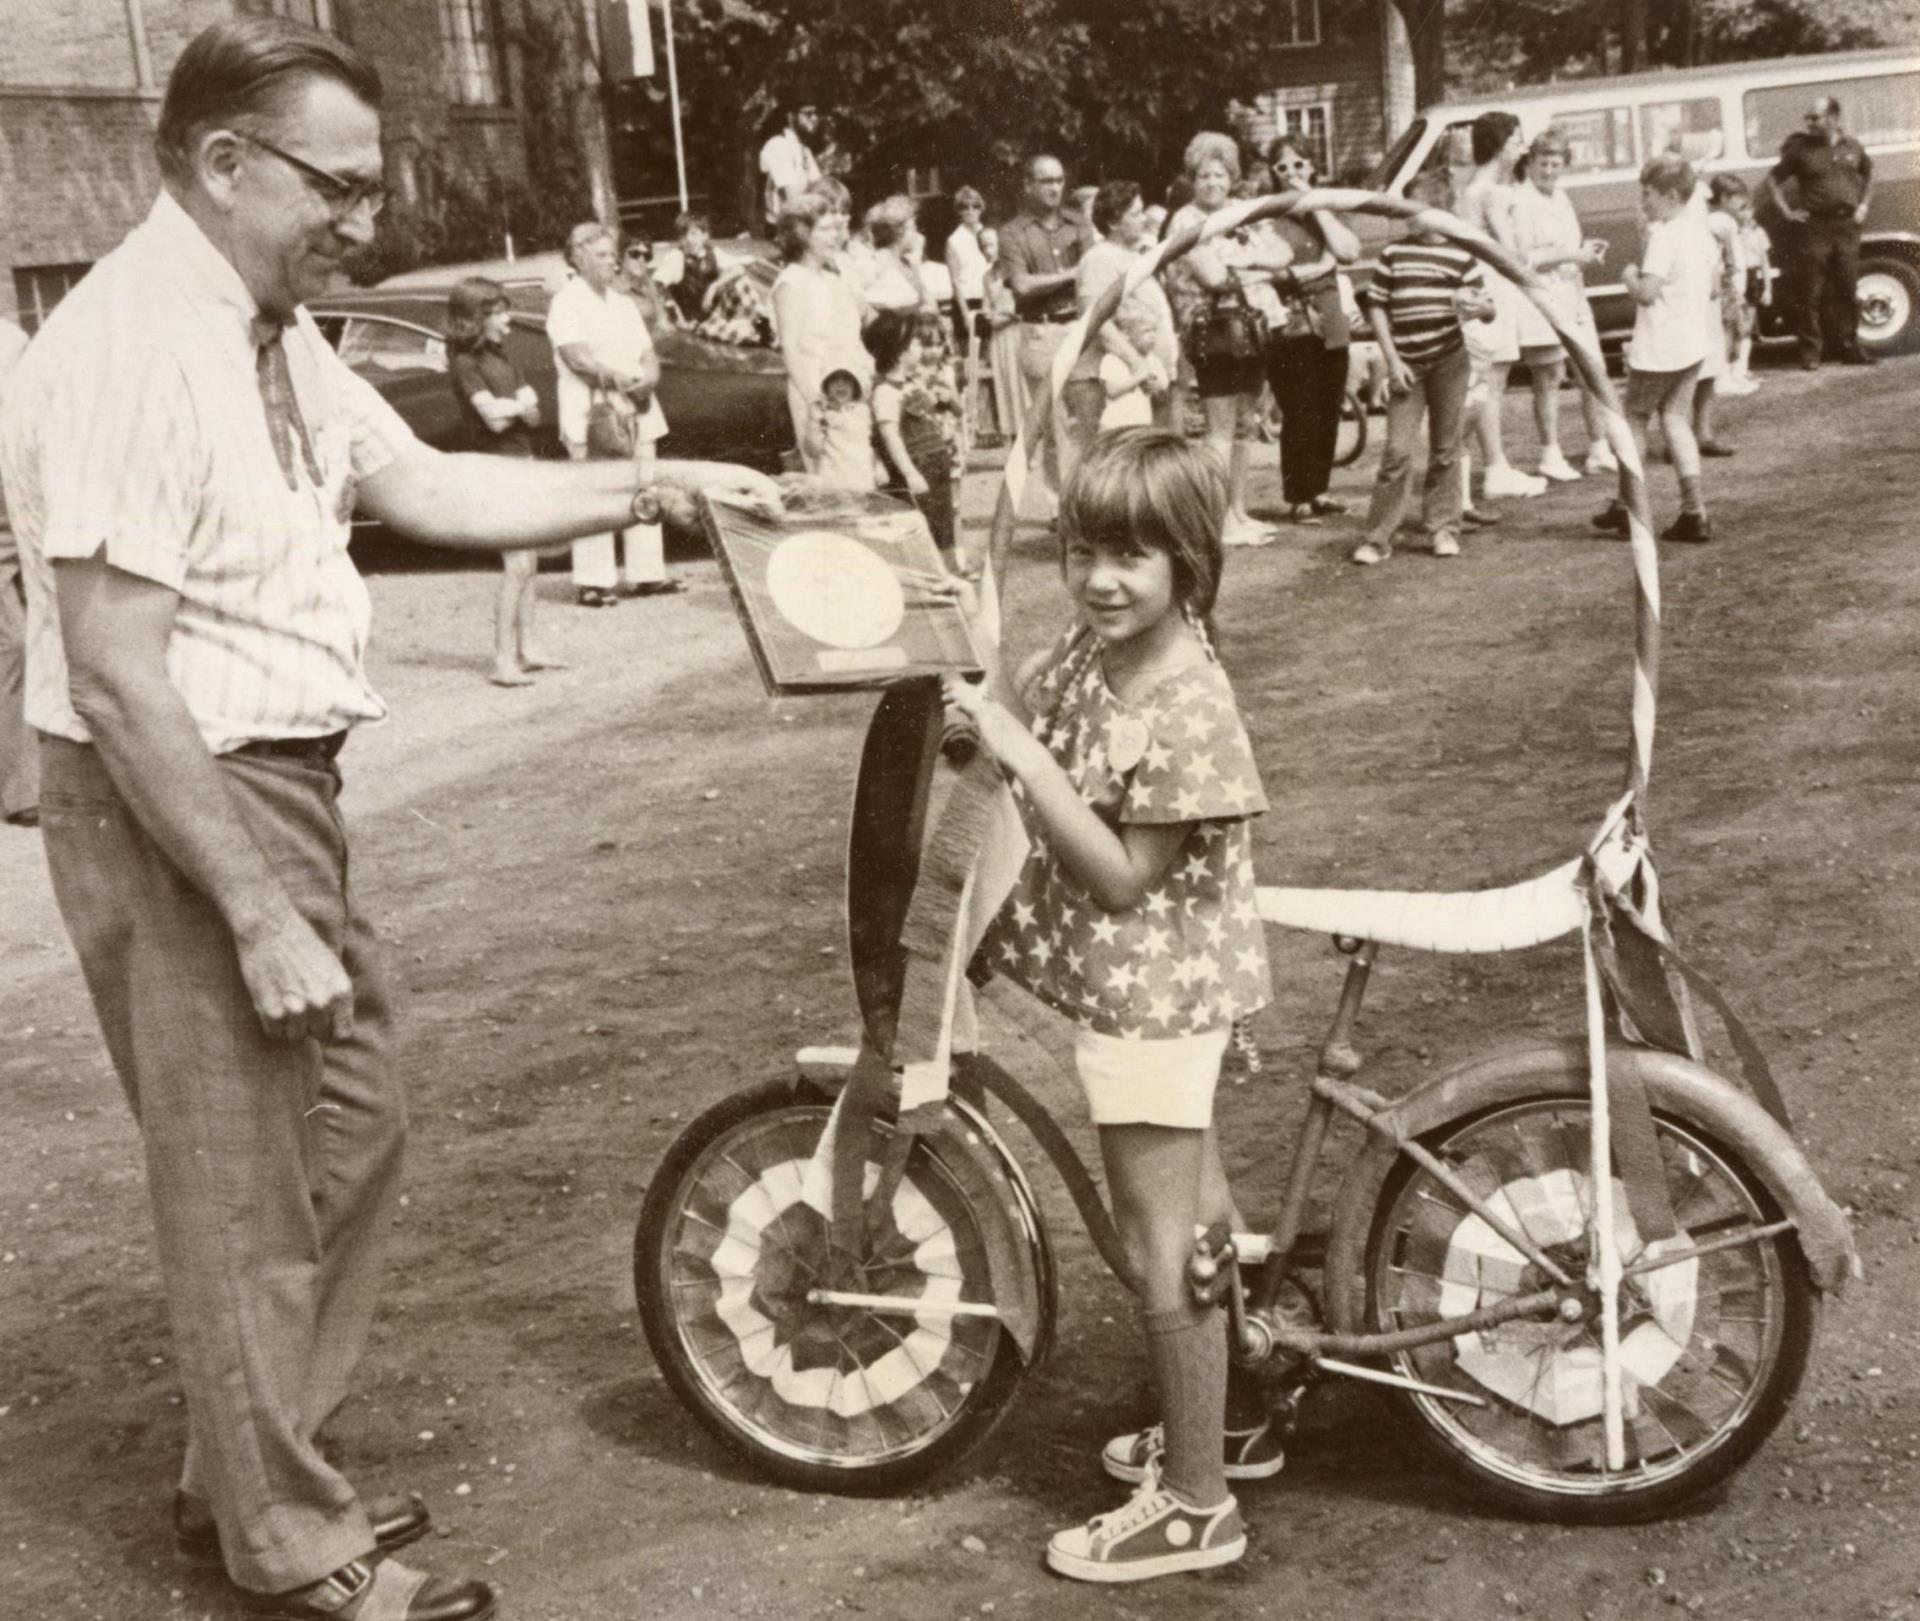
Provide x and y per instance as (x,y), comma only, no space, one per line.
(1192,956)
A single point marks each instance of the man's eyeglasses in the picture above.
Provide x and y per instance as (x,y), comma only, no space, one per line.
(344,198)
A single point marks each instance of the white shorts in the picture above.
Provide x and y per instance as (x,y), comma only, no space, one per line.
(1150,1083)
(1490,343)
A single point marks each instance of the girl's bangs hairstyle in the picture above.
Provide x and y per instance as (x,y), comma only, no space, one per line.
(1150,487)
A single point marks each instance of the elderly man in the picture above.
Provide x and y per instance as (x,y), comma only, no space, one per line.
(1040,250)
(1830,174)
(182,451)
(19,760)
(602,350)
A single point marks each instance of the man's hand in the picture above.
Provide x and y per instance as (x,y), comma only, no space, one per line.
(298,985)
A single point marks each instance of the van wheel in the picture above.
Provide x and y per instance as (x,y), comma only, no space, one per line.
(1888,293)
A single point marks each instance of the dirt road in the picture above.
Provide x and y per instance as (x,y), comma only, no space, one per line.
(615,897)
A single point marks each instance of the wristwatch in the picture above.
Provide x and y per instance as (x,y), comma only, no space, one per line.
(646,504)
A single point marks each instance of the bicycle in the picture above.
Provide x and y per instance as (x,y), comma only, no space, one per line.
(846,1277)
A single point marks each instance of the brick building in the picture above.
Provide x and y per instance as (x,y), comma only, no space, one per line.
(1346,86)
(80,84)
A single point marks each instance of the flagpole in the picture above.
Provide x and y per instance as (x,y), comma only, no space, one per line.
(673,93)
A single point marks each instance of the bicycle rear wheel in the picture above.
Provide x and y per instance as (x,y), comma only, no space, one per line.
(1713,1347)
(819,1397)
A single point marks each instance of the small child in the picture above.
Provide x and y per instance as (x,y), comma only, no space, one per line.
(699,268)
(500,411)
(1741,307)
(1414,303)
(1723,293)
(843,428)
(1672,287)
(911,444)
(1129,405)
(1134,916)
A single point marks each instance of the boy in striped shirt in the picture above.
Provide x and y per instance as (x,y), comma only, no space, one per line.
(1423,286)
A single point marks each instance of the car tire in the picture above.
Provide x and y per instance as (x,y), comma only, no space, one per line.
(1888,296)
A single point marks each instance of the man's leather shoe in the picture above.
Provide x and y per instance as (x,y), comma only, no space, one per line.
(1690,528)
(386,1589)
(396,1521)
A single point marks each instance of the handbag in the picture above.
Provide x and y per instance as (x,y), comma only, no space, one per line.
(610,432)
(1227,327)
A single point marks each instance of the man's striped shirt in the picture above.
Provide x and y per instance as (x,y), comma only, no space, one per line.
(1416,284)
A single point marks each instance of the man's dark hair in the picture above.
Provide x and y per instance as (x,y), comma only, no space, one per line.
(246,71)
(1491,132)
(1111,203)
(1830,104)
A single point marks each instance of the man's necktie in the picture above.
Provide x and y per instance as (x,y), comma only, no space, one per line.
(284,422)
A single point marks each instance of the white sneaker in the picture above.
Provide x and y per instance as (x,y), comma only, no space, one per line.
(1256,1454)
(1555,467)
(1601,459)
(1738,386)
(1152,1534)
(1446,544)
(1510,481)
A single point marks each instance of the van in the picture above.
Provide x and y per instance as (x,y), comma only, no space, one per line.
(1731,117)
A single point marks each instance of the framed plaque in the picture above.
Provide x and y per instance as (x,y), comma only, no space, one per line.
(841,590)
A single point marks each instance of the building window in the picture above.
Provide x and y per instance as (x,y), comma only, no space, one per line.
(314,13)
(1690,129)
(472,50)
(37,288)
(1311,126)
(1881,111)
(1597,140)
(1296,22)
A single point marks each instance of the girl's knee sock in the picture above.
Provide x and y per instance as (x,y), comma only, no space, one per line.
(1189,1358)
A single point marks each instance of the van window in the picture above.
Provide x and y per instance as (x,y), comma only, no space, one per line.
(1691,128)
(1600,138)
(1880,111)
(1389,166)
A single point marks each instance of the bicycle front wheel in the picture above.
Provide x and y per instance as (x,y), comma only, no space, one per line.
(823,1397)
(1712,1347)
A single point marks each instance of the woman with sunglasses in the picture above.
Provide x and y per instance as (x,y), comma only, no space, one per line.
(966,262)
(1307,356)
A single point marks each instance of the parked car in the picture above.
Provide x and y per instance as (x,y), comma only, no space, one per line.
(723,402)
(1730,117)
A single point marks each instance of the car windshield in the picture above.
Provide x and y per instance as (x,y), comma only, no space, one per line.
(1382,177)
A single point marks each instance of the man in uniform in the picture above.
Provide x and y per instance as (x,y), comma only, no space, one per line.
(182,453)
(1831,174)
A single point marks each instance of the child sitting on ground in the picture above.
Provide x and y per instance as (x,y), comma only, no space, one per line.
(911,443)
(1134,916)
(1672,286)
(843,434)
(1415,302)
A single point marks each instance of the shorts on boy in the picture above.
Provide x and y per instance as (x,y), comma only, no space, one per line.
(1651,392)
(1163,1082)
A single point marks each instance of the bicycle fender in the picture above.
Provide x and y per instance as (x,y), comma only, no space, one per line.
(1675,1086)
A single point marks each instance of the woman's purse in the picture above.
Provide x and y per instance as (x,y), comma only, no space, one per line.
(1226,327)
(610,431)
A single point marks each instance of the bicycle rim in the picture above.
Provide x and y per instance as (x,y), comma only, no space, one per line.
(1710,1346)
(821,1385)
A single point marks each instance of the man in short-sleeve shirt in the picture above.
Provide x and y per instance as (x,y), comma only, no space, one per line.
(787,163)
(1830,173)
(1040,250)
(182,453)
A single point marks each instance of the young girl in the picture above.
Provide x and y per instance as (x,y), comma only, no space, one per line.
(1135,916)
(500,412)
(1740,304)
(910,441)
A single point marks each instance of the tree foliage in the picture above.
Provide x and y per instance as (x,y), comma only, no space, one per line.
(1494,43)
(971,85)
